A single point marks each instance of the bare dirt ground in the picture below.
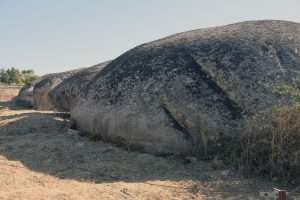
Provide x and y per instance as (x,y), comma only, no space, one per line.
(7,93)
(41,159)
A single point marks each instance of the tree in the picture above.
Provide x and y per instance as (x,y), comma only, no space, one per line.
(15,76)
(28,76)
(4,78)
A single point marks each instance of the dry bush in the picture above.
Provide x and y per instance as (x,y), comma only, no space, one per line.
(271,144)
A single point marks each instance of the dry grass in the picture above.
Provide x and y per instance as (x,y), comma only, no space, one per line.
(271,145)
(41,159)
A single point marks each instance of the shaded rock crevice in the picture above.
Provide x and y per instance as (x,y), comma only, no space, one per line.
(176,124)
(233,107)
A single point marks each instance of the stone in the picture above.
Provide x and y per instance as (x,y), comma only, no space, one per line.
(172,95)
(65,95)
(41,99)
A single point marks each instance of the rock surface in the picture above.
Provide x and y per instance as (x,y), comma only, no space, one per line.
(25,96)
(180,93)
(42,88)
(65,95)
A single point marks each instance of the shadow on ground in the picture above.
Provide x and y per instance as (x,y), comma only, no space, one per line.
(14,105)
(43,143)
(5,104)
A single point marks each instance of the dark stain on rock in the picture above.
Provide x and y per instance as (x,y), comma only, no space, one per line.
(176,125)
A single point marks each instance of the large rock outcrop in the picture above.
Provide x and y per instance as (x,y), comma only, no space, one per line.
(180,93)
(66,94)
(41,99)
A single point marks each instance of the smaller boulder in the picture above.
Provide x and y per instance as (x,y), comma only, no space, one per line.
(66,94)
(25,96)
(41,89)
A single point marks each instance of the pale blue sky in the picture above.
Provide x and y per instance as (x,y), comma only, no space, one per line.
(57,35)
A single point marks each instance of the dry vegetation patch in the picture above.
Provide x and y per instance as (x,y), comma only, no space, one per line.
(271,144)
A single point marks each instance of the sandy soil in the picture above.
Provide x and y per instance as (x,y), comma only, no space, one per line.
(41,159)
(7,93)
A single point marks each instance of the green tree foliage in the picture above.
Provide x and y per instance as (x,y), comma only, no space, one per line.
(16,77)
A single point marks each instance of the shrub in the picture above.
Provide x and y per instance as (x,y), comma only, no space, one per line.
(271,144)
